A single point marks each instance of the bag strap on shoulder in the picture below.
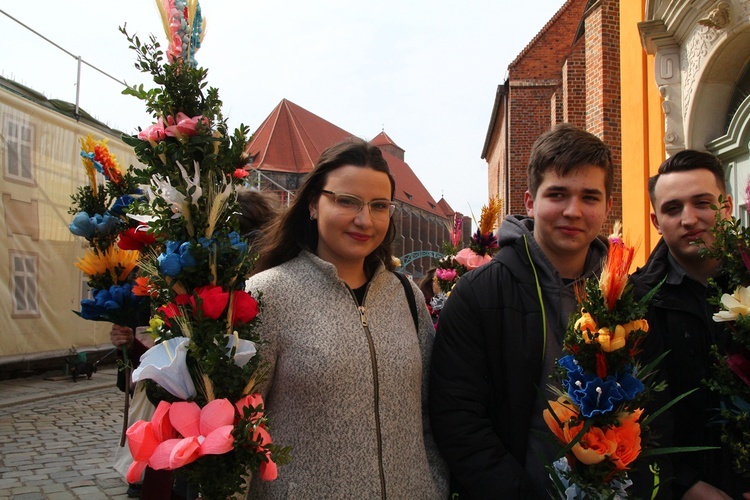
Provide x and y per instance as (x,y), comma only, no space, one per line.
(409,298)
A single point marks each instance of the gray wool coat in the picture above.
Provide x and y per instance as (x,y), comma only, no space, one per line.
(347,388)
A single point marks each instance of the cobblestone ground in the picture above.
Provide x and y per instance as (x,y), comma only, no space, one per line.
(62,448)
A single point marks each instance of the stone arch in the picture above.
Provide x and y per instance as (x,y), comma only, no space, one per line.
(733,148)
(716,82)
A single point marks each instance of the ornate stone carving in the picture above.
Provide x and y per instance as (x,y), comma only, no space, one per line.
(668,79)
(718,18)
(694,53)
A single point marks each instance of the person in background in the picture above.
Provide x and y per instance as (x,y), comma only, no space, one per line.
(348,359)
(501,329)
(430,288)
(257,209)
(682,194)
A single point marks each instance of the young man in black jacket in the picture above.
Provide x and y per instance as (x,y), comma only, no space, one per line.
(680,320)
(502,327)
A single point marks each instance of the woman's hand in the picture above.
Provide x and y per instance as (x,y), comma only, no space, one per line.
(121,336)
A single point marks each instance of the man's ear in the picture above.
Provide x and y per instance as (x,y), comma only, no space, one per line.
(655,222)
(728,206)
(609,207)
(528,202)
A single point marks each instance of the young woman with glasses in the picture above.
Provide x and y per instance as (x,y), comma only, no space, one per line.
(348,368)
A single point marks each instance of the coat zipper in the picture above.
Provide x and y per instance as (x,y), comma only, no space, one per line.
(376,388)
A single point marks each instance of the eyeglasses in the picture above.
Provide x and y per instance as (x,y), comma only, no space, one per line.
(352,205)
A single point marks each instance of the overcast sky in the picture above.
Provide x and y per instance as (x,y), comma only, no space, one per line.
(424,71)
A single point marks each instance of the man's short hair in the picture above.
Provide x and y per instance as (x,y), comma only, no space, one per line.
(564,149)
(685,161)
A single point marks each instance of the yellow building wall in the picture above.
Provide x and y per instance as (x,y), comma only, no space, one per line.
(34,223)
(642,130)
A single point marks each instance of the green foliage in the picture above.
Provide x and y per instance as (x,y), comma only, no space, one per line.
(193,164)
(732,249)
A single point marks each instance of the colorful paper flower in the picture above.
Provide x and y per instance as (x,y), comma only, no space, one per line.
(136,238)
(472,260)
(166,364)
(182,126)
(735,305)
(87,227)
(111,304)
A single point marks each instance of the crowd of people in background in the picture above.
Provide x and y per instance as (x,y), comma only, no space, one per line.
(375,403)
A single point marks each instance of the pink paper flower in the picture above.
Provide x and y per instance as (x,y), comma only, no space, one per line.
(191,432)
(183,126)
(153,133)
(471,260)
(250,401)
(445,274)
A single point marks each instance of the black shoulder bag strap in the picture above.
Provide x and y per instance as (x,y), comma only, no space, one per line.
(409,298)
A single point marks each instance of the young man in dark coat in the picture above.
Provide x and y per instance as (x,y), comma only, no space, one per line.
(680,318)
(502,327)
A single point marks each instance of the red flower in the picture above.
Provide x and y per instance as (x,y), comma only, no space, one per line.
(135,238)
(740,365)
(169,311)
(214,300)
(245,307)
(240,173)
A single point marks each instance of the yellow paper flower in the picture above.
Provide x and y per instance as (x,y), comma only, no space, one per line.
(114,261)
(612,341)
(737,304)
(587,326)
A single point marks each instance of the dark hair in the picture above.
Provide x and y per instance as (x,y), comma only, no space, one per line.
(257,209)
(293,231)
(425,284)
(564,149)
(685,161)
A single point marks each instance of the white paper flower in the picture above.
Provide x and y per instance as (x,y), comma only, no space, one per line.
(164,190)
(737,304)
(245,350)
(194,183)
(165,364)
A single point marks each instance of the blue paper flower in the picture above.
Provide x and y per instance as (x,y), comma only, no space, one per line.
(111,304)
(237,243)
(595,396)
(89,227)
(120,204)
(82,225)
(177,256)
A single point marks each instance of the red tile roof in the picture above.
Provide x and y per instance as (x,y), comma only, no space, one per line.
(292,138)
(382,139)
(447,210)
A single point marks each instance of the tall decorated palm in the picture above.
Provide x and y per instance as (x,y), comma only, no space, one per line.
(205,366)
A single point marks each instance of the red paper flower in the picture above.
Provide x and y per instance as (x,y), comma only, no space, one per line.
(135,238)
(240,173)
(244,308)
(214,300)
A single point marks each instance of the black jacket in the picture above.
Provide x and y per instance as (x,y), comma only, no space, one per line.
(488,361)
(680,320)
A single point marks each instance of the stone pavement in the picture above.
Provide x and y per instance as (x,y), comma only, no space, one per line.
(57,438)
